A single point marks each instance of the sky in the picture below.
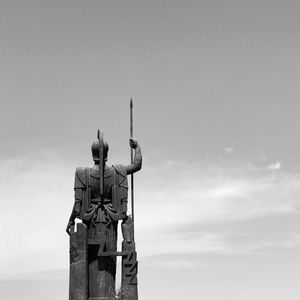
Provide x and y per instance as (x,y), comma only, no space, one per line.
(215,86)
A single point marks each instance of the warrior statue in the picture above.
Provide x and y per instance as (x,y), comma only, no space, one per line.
(100,202)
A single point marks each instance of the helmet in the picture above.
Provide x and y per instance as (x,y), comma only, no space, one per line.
(95,150)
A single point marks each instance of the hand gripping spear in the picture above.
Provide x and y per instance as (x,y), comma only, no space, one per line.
(131,158)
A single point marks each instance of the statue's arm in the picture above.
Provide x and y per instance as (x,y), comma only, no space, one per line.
(137,161)
(75,211)
(78,195)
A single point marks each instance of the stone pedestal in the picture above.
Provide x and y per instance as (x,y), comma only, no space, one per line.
(78,264)
(129,271)
(82,283)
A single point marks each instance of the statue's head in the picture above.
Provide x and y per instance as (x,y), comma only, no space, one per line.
(95,150)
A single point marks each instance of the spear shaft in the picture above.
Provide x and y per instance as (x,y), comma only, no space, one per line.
(131,158)
(101,162)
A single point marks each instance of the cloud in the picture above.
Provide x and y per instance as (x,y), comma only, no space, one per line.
(214,195)
(275,166)
(180,208)
(36,198)
(198,196)
(171,263)
(271,167)
(229,150)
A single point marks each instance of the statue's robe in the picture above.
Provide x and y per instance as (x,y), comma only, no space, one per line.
(101,218)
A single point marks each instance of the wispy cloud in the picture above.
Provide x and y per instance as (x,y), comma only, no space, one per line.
(173,263)
(36,199)
(187,195)
(180,208)
(275,166)
(229,150)
(271,167)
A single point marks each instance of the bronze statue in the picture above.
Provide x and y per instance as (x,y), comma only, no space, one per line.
(100,202)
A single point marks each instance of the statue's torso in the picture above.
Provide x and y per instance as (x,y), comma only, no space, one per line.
(87,192)
(95,183)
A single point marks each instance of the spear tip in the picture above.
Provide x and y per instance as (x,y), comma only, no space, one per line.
(131,104)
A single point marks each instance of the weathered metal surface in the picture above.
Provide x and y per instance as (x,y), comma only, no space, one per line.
(100,202)
(129,272)
(78,264)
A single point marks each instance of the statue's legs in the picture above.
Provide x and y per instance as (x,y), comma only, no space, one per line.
(129,262)
(102,269)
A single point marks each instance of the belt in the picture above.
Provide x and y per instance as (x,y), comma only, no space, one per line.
(100,201)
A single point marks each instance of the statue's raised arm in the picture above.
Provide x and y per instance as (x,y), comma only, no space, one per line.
(137,161)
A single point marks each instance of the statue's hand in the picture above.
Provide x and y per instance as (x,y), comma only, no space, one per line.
(69,226)
(133,143)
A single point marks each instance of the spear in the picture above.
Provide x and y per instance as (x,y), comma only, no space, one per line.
(101,162)
(131,158)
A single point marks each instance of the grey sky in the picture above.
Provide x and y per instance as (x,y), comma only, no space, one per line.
(216,91)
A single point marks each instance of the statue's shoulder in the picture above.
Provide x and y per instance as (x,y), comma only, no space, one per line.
(81,177)
(81,171)
(120,169)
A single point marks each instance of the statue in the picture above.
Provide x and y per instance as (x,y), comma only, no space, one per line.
(100,203)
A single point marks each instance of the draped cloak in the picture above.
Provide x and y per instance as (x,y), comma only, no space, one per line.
(101,218)
(88,205)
